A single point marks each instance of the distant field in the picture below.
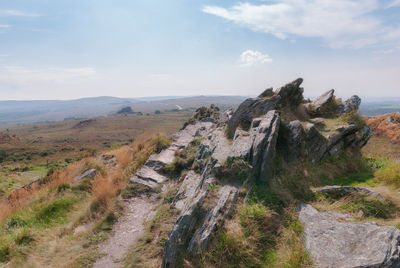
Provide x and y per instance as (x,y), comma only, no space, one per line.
(45,146)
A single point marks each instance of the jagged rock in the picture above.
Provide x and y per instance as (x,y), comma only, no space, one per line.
(269,92)
(264,133)
(340,191)
(315,143)
(294,140)
(350,105)
(249,109)
(291,94)
(91,173)
(187,190)
(150,174)
(332,242)
(227,197)
(183,229)
(363,136)
(323,105)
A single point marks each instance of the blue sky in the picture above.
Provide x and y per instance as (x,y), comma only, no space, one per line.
(70,49)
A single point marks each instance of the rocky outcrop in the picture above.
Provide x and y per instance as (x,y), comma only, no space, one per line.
(252,134)
(333,241)
(150,174)
(293,137)
(350,105)
(264,133)
(289,95)
(323,105)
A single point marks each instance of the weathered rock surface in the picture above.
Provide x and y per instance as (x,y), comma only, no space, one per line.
(350,105)
(322,105)
(90,173)
(332,241)
(150,174)
(227,196)
(293,139)
(291,94)
(253,133)
(264,133)
(249,109)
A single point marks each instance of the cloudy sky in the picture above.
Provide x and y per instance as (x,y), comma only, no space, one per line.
(128,48)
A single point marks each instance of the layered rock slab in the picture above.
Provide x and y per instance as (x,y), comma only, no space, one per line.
(333,242)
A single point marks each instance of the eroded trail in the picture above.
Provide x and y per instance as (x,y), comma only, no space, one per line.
(126,232)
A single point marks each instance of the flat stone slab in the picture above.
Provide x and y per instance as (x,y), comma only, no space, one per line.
(148,177)
(334,242)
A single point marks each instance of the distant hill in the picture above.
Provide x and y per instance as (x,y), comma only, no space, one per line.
(379,106)
(36,111)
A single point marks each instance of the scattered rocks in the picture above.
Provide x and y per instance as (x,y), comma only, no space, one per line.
(108,160)
(332,241)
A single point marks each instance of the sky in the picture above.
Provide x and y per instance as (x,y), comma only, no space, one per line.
(68,49)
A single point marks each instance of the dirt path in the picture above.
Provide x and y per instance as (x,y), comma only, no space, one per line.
(126,231)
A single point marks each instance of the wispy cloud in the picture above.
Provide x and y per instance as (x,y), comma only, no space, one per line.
(339,23)
(393,3)
(5,26)
(23,75)
(252,57)
(17,13)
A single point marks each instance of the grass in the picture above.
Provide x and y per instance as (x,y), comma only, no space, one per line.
(359,206)
(389,174)
(50,212)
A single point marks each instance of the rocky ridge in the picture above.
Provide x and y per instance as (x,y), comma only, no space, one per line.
(275,121)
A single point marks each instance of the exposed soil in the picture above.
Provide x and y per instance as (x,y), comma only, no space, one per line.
(126,232)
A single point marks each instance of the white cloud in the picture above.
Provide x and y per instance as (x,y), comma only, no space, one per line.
(17,13)
(253,57)
(339,23)
(5,26)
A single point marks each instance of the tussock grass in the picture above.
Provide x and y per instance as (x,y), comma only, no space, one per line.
(49,212)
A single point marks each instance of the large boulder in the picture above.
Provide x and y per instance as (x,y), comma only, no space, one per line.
(249,109)
(333,241)
(324,105)
(293,139)
(291,94)
(350,105)
(315,143)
